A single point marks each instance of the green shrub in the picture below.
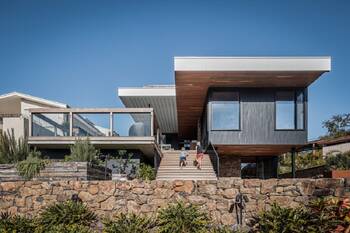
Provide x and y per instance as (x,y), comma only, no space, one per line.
(31,166)
(83,151)
(73,228)
(67,213)
(15,223)
(340,161)
(224,229)
(12,150)
(146,172)
(182,219)
(283,220)
(131,223)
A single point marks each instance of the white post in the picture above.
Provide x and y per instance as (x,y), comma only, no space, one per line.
(111,124)
(70,124)
(152,121)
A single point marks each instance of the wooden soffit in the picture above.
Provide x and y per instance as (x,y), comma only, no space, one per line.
(192,88)
(254,150)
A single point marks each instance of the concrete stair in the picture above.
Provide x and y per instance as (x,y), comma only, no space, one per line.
(169,167)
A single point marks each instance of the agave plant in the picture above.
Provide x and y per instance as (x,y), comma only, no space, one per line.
(129,223)
(67,213)
(182,219)
(12,150)
(15,223)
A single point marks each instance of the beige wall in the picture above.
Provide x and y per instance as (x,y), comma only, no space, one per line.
(343,147)
(15,124)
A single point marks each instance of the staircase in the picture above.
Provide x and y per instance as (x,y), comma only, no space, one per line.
(169,167)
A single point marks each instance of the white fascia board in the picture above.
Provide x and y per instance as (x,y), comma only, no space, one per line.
(34,99)
(144,91)
(252,64)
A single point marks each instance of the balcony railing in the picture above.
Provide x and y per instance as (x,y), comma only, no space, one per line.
(92,122)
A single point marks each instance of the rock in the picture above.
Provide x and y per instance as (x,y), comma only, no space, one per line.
(146,208)
(93,189)
(133,207)
(158,202)
(8,186)
(230,193)
(227,219)
(209,189)
(252,183)
(108,204)
(186,186)
(137,190)
(85,196)
(107,187)
(224,183)
(197,200)
(163,193)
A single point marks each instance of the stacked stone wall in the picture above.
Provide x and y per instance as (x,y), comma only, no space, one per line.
(107,198)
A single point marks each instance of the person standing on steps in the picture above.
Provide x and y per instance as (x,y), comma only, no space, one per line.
(200,155)
(183,157)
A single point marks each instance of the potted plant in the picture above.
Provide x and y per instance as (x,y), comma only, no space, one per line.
(338,165)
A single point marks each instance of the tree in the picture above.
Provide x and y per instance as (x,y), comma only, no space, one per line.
(338,125)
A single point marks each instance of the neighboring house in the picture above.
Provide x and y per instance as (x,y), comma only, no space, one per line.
(246,110)
(14,111)
(328,146)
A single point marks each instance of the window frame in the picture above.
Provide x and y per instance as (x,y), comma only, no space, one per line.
(226,101)
(295,91)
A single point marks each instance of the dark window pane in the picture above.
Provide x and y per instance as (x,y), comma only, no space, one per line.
(285,110)
(225,115)
(300,110)
(225,96)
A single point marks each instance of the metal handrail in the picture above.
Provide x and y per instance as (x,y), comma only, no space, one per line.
(214,158)
(158,155)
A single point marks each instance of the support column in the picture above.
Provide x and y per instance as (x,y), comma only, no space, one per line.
(293,162)
(70,124)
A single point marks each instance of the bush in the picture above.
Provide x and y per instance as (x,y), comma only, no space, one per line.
(320,215)
(15,223)
(182,219)
(68,213)
(74,228)
(282,220)
(146,172)
(129,224)
(83,151)
(32,166)
(12,150)
(340,161)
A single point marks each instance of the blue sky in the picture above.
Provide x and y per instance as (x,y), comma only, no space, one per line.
(79,52)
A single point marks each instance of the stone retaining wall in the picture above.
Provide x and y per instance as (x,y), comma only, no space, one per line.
(59,171)
(109,197)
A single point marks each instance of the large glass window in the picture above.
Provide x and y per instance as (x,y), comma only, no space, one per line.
(134,124)
(50,124)
(290,110)
(300,110)
(225,111)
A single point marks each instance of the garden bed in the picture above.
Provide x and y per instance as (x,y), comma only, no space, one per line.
(59,171)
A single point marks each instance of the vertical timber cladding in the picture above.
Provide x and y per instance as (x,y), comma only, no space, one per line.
(257,119)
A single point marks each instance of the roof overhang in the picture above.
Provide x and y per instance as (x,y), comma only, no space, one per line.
(194,75)
(160,98)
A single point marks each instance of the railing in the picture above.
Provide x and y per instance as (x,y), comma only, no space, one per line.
(214,158)
(92,122)
(157,157)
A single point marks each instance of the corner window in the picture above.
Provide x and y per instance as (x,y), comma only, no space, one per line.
(290,110)
(225,111)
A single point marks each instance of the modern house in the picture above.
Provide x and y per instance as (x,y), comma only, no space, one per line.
(245,110)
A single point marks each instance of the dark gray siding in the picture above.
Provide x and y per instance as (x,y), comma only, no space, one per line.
(257,113)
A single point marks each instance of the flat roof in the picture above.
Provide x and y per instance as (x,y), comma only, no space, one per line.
(252,63)
(154,90)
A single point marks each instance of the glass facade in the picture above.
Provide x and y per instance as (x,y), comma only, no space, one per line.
(290,110)
(91,124)
(285,110)
(132,124)
(225,109)
(50,124)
